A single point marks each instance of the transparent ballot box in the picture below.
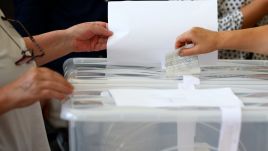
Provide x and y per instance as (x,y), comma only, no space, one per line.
(97,124)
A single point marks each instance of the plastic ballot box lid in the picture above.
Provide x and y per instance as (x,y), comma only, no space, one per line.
(93,77)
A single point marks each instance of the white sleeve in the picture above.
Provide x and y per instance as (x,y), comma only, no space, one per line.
(231,21)
(230,16)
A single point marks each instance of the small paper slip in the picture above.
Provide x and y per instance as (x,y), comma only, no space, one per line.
(223,97)
(145,31)
(176,65)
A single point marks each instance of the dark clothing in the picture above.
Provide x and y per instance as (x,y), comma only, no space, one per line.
(40,16)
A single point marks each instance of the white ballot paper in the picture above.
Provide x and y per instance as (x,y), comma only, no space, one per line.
(145,31)
(223,97)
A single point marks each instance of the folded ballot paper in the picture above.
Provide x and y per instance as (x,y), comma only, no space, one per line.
(145,31)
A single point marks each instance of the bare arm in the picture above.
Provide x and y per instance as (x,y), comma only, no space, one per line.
(207,41)
(242,16)
(90,36)
(42,83)
(5,105)
(254,12)
(245,40)
(55,45)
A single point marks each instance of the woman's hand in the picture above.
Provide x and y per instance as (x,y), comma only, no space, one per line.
(204,41)
(90,36)
(35,85)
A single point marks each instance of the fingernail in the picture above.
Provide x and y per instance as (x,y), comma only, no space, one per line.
(71,86)
(67,98)
(181,53)
(70,90)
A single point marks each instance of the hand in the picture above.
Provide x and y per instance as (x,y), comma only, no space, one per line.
(91,36)
(204,41)
(35,85)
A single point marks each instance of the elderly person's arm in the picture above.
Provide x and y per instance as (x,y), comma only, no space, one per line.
(91,36)
(42,83)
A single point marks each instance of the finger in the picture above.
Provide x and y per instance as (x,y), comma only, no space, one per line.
(56,86)
(189,51)
(50,75)
(101,43)
(100,46)
(103,24)
(50,94)
(95,44)
(182,40)
(100,30)
(179,44)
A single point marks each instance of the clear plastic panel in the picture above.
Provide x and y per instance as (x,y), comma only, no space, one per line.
(96,124)
(93,77)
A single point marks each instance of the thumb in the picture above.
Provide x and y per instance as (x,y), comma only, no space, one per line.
(100,30)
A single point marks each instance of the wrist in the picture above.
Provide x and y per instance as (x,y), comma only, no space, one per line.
(219,40)
(66,41)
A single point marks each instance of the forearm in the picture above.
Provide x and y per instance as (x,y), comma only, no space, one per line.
(5,103)
(246,40)
(254,12)
(55,45)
